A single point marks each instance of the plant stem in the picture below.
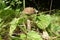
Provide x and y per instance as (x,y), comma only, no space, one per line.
(23,4)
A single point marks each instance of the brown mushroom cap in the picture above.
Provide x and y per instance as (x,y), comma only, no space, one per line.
(29,10)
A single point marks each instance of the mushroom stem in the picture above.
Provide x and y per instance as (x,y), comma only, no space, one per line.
(28,25)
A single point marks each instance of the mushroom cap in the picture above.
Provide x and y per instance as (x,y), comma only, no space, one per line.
(29,10)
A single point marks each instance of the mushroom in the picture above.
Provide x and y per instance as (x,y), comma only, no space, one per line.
(29,10)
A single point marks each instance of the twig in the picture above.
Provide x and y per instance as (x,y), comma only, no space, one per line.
(49,11)
(50,6)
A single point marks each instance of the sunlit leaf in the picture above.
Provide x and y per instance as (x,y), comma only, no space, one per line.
(22,36)
(43,21)
(7,8)
(13,25)
(32,35)
(55,28)
(15,38)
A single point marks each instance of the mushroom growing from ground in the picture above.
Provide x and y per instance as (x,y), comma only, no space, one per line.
(29,11)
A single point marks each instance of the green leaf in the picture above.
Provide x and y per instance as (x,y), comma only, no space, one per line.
(43,21)
(13,25)
(15,38)
(0,38)
(32,35)
(22,19)
(7,8)
(55,25)
(22,36)
(0,19)
(55,28)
